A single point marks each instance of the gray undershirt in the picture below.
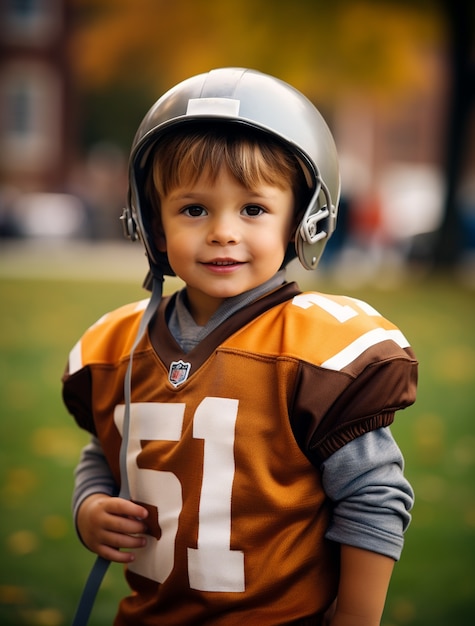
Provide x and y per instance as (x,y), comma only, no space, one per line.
(188,334)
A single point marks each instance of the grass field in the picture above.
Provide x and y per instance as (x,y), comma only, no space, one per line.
(45,566)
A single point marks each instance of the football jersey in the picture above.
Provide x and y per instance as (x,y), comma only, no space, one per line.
(225,444)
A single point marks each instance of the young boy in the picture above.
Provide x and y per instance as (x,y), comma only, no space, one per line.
(245,423)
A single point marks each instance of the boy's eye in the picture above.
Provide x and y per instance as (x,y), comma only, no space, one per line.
(194,210)
(253,210)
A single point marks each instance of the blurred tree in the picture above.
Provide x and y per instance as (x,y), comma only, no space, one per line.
(325,49)
(461,27)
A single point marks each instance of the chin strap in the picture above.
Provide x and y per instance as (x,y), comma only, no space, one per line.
(100,566)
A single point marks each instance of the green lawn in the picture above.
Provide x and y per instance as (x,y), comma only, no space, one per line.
(44,564)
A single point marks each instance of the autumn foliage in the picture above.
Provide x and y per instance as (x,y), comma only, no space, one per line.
(327,49)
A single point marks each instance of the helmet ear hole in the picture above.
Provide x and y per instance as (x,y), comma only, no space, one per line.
(316,227)
(309,255)
(129,225)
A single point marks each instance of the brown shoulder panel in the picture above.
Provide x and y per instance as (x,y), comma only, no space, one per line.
(331,408)
(77,396)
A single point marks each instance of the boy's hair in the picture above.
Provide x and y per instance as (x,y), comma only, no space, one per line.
(253,158)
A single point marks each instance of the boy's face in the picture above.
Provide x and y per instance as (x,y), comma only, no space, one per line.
(223,239)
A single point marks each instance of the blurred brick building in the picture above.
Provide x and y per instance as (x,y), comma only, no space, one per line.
(36,103)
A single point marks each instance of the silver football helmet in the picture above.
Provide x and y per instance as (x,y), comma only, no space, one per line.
(251,99)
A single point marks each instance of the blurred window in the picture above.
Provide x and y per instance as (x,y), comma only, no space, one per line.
(30,21)
(19,110)
(30,110)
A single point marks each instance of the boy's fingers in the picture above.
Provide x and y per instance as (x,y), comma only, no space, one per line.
(119,541)
(125,525)
(117,556)
(119,506)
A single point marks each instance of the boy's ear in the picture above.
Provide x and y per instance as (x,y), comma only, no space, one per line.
(159,235)
(297,219)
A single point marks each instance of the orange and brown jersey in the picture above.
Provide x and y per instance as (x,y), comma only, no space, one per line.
(225,445)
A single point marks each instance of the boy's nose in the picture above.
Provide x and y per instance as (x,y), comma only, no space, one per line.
(223,232)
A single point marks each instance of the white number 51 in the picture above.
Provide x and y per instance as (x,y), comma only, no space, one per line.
(212,566)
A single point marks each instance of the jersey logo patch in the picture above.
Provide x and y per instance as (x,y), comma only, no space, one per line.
(178,372)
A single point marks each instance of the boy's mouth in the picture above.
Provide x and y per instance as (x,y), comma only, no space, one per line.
(223,262)
(223,265)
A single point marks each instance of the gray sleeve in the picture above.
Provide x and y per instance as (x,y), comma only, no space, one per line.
(372,498)
(92,475)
